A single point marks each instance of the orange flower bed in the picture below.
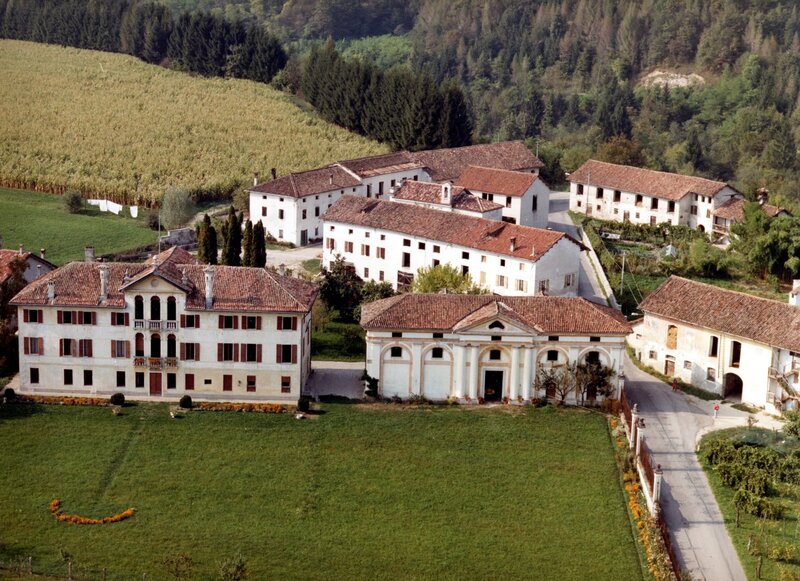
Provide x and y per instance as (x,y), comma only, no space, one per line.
(55,510)
(268,408)
(67,400)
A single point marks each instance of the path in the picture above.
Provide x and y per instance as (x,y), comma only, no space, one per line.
(340,378)
(293,258)
(588,285)
(673,423)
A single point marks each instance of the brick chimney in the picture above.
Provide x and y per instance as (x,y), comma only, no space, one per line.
(103,282)
(209,272)
(88,254)
(41,253)
(255,178)
(274,173)
(447,189)
(21,250)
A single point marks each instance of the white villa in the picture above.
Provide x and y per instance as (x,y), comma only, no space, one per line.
(630,194)
(165,328)
(733,344)
(290,206)
(389,240)
(485,348)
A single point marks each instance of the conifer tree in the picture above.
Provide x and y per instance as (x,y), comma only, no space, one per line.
(210,245)
(247,244)
(259,246)
(233,240)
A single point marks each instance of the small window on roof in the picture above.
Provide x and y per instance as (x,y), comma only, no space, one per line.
(497,325)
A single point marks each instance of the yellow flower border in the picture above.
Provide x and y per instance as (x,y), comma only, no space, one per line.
(55,510)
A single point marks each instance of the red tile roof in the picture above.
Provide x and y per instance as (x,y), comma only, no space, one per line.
(309,183)
(235,288)
(7,256)
(442,312)
(381,164)
(658,184)
(741,315)
(461,199)
(733,209)
(448,164)
(457,229)
(496,181)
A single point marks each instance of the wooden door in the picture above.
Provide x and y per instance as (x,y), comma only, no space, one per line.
(493,385)
(155,384)
(669,368)
(227,383)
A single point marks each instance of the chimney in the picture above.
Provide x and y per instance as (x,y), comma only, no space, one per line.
(794,295)
(51,290)
(88,254)
(533,251)
(446,189)
(21,250)
(41,253)
(513,246)
(103,282)
(255,178)
(209,272)
(763,196)
(282,269)
(330,177)
(274,173)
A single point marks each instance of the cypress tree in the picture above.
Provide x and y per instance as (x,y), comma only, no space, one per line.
(259,246)
(233,240)
(247,244)
(210,244)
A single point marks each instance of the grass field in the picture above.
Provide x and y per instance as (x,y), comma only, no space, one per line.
(41,221)
(338,342)
(379,492)
(95,121)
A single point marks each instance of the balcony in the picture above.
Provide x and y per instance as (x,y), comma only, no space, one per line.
(138,324)
(720,229)
(139,362)
(171,325)
(156,362)
(154,325)
(170,362)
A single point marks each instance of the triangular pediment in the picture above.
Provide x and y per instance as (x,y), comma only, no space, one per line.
(495,318)
(153,281)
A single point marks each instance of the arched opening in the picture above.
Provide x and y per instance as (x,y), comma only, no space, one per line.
(701,228)
(732,386)
(672,337)
(497,325)
(139,345)
(171,346)
(171,309)
(592,358)
(155,309)
(138,308)
(155,345)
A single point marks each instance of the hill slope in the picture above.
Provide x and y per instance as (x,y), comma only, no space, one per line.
(111,125)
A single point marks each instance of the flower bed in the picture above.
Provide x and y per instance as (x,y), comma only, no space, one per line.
(268,408)
(55,510)
(52,400)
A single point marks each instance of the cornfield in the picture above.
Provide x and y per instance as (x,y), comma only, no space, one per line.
(111,126)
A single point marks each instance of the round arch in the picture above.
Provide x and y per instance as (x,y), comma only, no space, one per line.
(732,386)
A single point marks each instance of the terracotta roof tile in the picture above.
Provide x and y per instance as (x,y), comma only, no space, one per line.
(441,312)
(381,164)
(658,184)
(7,256)
(762,320)
(496,181)
(309,183)
(461,199)
(448,164)
(457,229)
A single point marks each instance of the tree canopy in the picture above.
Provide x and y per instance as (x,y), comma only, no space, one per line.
(447,278)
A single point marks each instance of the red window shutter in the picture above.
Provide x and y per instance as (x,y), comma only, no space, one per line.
(258,323)
(294,323)
(113,319)
(60,317)
(197,321)
(25,315)
(26,348)
(259,352)
(60,344)
(219,351)
(244,322)
(113,348)
(221,321)
(236,352)
(189,381)
(74,347)
(80,348)
(94,318)
(40,318)
(183,321)
(235,322)
(294,353)
(89,348)
(197,351)
(280,323)
(127,348)
(127,319)
(75,317)
(41,345)
(278,352)
(183,351)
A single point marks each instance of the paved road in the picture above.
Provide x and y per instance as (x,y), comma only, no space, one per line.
(588,285)
(336,378)
(674,421)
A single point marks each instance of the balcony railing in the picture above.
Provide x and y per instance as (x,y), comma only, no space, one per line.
(156,362)
(170,362)
(720,229)
(171,325)
(138,324)
(154,325)
(139,362)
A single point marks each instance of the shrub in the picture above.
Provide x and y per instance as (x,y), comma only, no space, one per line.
(73,202)
(304,403)
(10,394)
(186,402)
(177,208)
(792,427)
(118,399)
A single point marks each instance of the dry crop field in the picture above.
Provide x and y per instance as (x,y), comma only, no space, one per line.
(111,125)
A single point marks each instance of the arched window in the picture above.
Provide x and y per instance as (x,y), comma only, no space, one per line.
(593,357)
(155,345)
(497,325)
(171,309)
(155,309)
(672,337)
(138,308)
(139,344)
(171,346)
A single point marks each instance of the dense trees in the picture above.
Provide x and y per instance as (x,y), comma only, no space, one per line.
(445,278)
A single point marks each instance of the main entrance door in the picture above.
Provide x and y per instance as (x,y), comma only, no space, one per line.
(733,386)
(669,368)
(303,237)
(492,385)
(155,384)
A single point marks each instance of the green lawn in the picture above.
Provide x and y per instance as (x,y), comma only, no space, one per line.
(41,221)
(358,492)
(338,342)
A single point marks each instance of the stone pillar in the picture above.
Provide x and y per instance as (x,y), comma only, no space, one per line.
(657,476)
(474,370)
(458,371)
(634,425)
(513,388)
(527,353)
(639,437)
(416,368)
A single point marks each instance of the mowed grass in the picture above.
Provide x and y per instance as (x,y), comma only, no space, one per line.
(41,221)
(109,124)
(358,492)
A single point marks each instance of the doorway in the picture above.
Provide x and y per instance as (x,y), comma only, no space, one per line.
(155,384)
(669,367)
(492,385)
(303,237)
(732,386)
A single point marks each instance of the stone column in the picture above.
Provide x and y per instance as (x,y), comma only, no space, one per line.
(639,437)
(527,353)
(657,476)
(513,388)
(474,370)
(458,371)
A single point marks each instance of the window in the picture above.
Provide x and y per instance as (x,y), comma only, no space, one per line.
(251,383)
(366,234)
(188,382)
(534,203)
(544,286)
(380,276)
(172,381)
(436,249)
(653,355)
(366,273)
(654,204)
(34,375)
(465,255)
(380,252)
(435,262)
(32,316)
(406,242)
(251,352)
(139,345)
(599,194)
(522,286)
(190,321)
(87,377)
(280,233)
(711,374)
(496,325)
(465,269)
(396,334)
(316,211)
(579,190)
(190,351)
(264,211)
(687,364)
(139,379)
(501,280)
(392,183)
(482,277)
(286,384)
(672,337)
(119,319)
(383,236)
(639,200)
(438,335)
(227,322)
(33,345)
(68,377)
(68,347)
(286,353)
(365,250)
(66,317)
(579,203)
(120,349)
(406,260)
(593,358)
(670,207)
(155,309)
(652,220)
(495,355)
(594,339)
(348,246)
(206,381)
(713,347)
(171,344)
(330,244)
(496,338)
(508,201)
(552,355)
(437,353)
(227,351)
(502,262)
(303,213)
(693,210)
(380,189)
(421,246)
(280,214)
(396,352)
(617,195)
(369,190)
(251,322)
(155,346)
(736,353)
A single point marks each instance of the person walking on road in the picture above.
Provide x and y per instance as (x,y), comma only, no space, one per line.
(674,384)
